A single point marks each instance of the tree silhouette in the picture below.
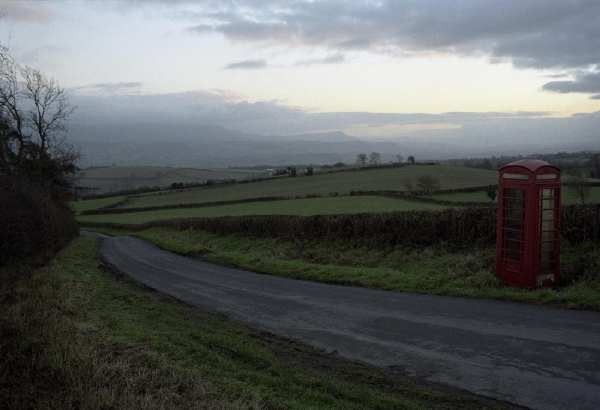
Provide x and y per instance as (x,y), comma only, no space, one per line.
(361,159)
(428,184)
(374,158)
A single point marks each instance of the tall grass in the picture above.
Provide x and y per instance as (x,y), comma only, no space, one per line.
(77,337)
(436,269)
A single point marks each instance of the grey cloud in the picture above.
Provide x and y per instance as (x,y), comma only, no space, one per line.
(35,55)
(200,29)
(220,107)
(557,76)
(109,88)
(536,33)
(588,83)
(247,65)
(331,59)
(20,11)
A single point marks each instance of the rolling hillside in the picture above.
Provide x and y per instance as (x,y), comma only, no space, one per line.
(113,179)
(342,183)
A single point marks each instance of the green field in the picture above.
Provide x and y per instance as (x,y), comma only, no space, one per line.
(327,185)
(383,179)
(304,207)
(80,206)
(567,197)
(110,179)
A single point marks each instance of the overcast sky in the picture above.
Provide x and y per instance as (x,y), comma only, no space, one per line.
(369,68)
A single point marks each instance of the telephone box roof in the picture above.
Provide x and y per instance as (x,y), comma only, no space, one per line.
(531,164)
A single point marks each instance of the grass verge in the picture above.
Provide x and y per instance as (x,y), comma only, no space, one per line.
(74,337)
(433,270)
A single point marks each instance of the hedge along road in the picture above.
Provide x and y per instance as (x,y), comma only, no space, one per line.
(534,356)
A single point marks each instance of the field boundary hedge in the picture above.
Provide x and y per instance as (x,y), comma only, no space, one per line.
(114,208)
(455,227)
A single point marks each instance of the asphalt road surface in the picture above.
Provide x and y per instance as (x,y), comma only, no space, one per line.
(533,356)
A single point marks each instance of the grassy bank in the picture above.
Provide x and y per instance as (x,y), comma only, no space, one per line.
(430,270)
(77,336)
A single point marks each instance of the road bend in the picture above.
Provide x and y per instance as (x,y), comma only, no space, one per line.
(534,356)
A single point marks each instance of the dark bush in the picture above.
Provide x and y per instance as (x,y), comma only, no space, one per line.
(31,223)
(580,223)
(454,228)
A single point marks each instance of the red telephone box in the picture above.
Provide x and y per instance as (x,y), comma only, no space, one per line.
(528,236)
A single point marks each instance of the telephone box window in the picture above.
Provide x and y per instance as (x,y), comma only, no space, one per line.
(523,177)
(512,227)
(549,209)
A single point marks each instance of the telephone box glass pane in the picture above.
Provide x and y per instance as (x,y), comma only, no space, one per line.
(548,203)
(514,214)
(548,225)
(513,193)
(548,235)
(513,245)
(515,235)
(512,255)
(548,267)
(513,203)
(547,246)
(547,257)
(548,215)
(511,224)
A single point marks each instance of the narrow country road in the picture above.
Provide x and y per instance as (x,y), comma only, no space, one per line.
(533,356)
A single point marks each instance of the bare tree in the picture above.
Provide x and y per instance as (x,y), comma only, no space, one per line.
(578,185)
(428,184)
(399,158)
(374,158)
(361,159)
(34,111)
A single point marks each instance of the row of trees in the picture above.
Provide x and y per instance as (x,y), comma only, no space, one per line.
(586,161)
(37,165)
(374,158)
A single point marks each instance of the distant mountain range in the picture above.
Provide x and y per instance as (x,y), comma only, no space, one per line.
(212,146)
